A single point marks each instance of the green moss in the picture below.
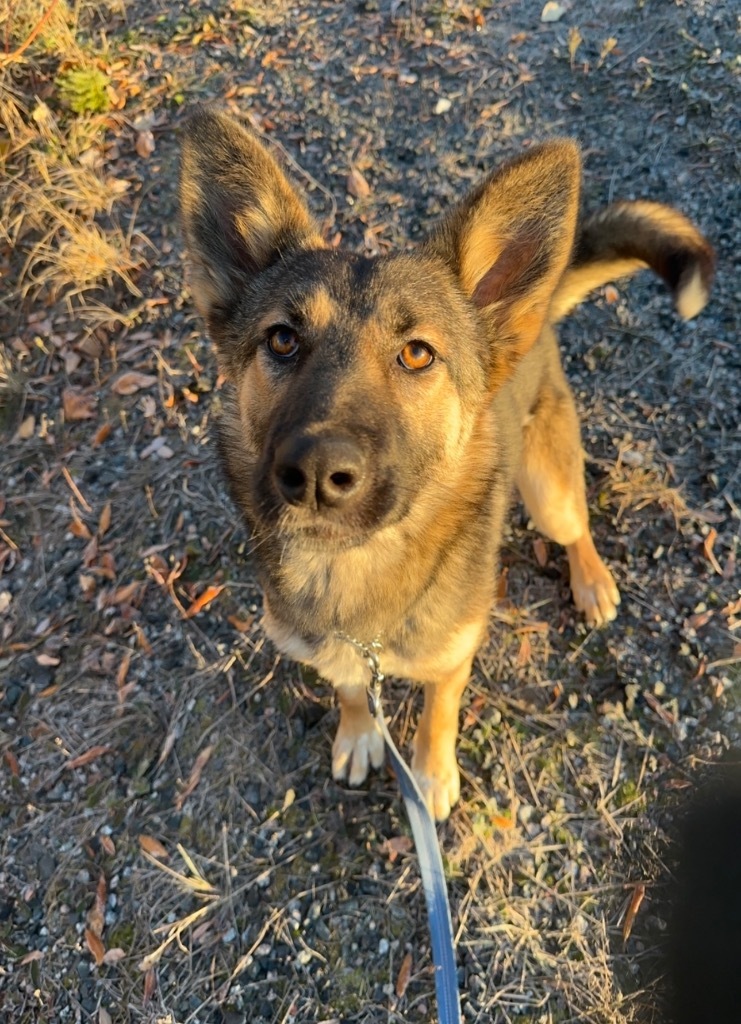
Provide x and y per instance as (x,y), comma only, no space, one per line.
(121,936)
(626,793)
(85,90)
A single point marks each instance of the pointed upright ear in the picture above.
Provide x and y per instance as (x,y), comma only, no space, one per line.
(509,241)
(240,212)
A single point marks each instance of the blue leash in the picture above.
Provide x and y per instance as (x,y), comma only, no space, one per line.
(428,853)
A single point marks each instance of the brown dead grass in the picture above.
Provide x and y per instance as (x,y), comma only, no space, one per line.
(57,207)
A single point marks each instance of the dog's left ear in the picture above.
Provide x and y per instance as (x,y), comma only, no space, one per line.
(509,241)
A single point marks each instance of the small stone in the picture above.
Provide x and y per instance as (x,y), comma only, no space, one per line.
(383,947)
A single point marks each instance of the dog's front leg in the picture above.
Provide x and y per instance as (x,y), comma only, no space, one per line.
(358,743)
(434,763)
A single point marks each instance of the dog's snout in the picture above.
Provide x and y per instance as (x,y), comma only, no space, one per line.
(319,472)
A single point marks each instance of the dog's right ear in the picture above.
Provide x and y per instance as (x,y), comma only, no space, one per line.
(240,212)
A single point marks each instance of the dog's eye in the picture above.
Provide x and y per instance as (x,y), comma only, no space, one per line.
(416,356)
(282,342)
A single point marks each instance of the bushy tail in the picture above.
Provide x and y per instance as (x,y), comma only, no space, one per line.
(627,237)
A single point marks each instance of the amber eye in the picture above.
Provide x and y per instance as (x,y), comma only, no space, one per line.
(416,356)
(282,342)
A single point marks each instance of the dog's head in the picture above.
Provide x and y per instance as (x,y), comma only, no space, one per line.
(359,381)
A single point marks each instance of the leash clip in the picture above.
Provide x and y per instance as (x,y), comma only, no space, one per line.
(370,654)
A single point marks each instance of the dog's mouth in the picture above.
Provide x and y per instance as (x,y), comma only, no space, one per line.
(323,535)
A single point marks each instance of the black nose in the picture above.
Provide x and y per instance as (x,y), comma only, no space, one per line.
(319,472)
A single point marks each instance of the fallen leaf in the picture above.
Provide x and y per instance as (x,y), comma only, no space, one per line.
(153,846)
(112,956)
(552,11)
(396,845)
(88,585)
(123,669)
(145,144)
(150,984)
(77,405)
(105,519)
(108,845)
(79,529)
(524,655)
(575,41)
(241,625)
(658,708)
(502,822)
(104,1016)
(90,554)
(106,566)
(101,434)
(12,762)
(540,549)
(639,891)
(96,914)
(195,776)
(48,660)
(132,381)
(95,945)
(357,184)
(26,429)
(29,958)
(90,755)
(707,547)
(473,711)
(404,975)
(167,746)
(607,47)
(700,619)
(208,595)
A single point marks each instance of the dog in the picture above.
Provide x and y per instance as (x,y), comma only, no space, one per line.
(381,411)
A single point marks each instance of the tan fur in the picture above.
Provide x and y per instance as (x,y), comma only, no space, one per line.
(320,310)
(376,496)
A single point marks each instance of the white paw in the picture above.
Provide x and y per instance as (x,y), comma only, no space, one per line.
(440,787)
(356,747)
(596,597)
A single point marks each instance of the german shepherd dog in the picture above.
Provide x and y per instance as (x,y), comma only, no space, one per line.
(381,410)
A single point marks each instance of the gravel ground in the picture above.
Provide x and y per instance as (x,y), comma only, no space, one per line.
(172,846)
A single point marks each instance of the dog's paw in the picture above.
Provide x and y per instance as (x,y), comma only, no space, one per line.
(440,785)
(595,594)
(357,746)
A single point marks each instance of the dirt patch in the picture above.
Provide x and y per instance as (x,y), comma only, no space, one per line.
(130,728)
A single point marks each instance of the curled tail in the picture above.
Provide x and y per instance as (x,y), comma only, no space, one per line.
(627,237)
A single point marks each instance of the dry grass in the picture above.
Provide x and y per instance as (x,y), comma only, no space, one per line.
(57,207)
